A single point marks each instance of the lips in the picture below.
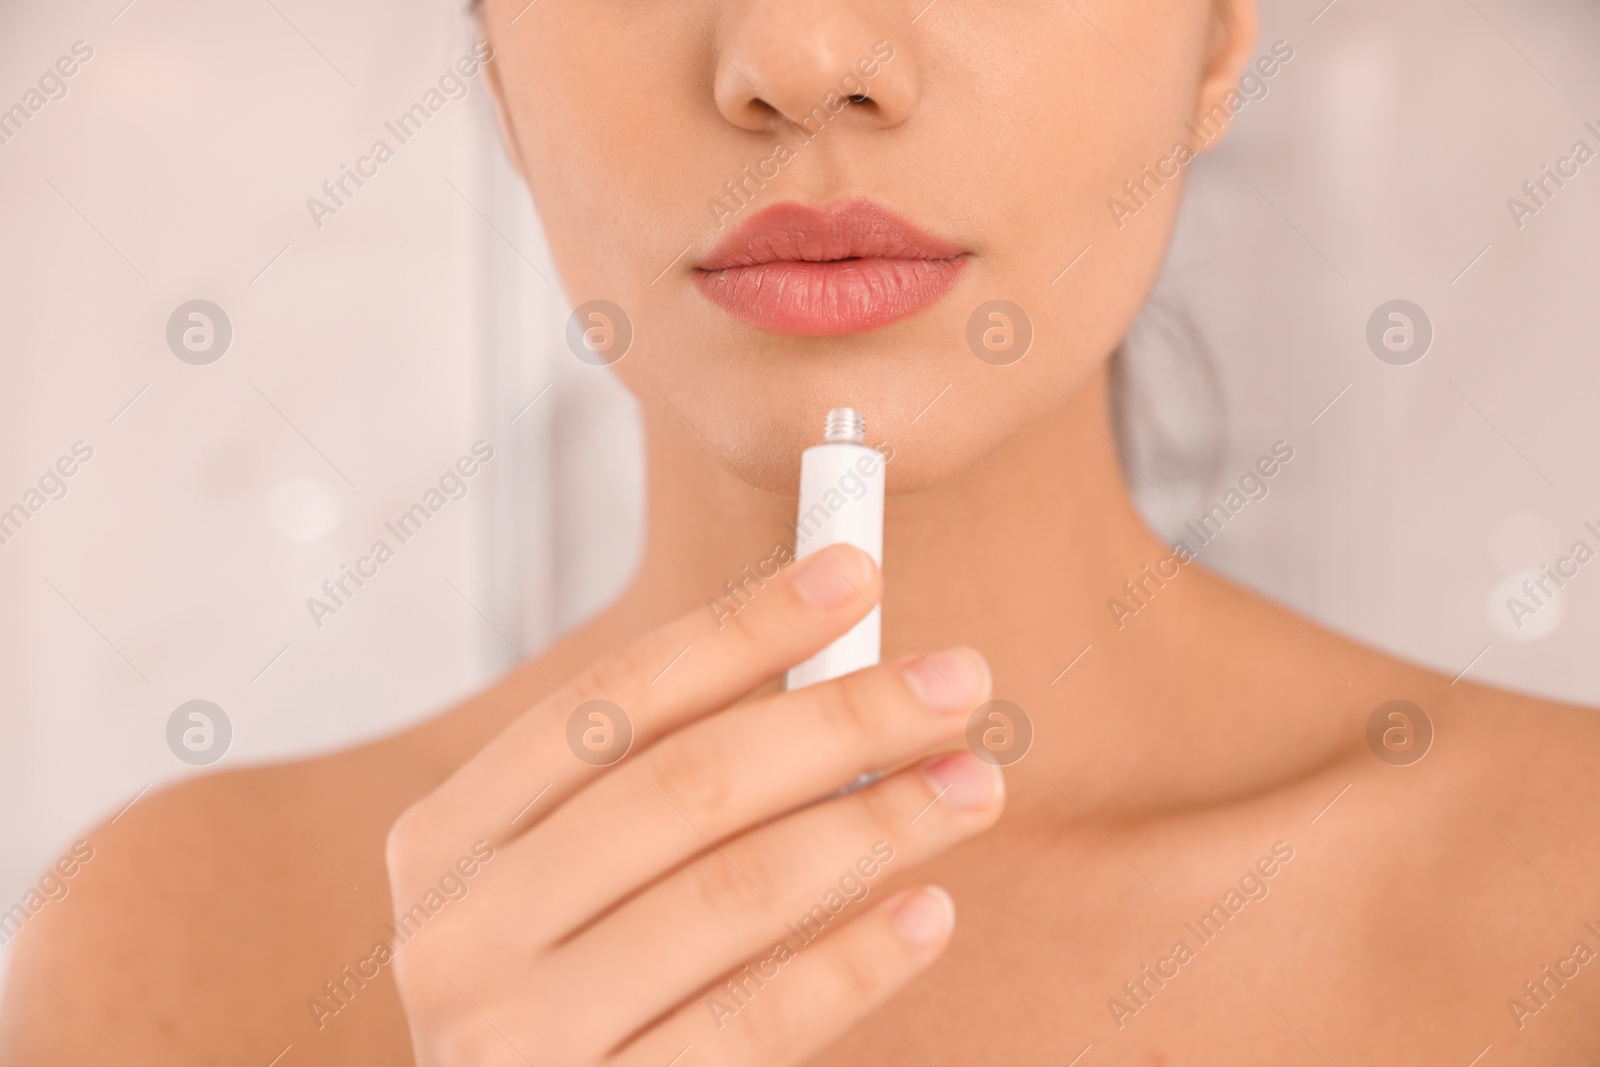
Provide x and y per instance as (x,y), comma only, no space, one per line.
(845,267)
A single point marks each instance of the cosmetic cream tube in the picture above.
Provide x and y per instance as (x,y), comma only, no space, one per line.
(841,499)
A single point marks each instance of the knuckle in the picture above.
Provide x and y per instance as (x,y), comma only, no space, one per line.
(863,970)
(771,1037)
(613,673)
(770,1033)
(741,629)
(746,885)
(691,769)
(850,710)
(882,818)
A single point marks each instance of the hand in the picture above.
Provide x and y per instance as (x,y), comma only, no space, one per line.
(695,903)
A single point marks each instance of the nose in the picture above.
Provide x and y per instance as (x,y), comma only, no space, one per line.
(811,62)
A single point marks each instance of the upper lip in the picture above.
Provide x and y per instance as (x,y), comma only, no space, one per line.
(843,230)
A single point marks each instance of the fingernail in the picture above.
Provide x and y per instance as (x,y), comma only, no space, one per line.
(833,576)
(955,679)
(964,782)
(925,917)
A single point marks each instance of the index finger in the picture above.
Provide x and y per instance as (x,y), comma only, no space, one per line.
(672,675)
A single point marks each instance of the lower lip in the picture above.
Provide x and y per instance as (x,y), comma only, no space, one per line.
(828,298)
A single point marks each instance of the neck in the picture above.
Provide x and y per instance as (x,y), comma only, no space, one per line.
(1019,557)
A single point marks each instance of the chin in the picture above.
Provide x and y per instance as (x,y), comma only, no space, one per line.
(760,399)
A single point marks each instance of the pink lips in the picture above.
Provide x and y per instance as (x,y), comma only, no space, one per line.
(846,267)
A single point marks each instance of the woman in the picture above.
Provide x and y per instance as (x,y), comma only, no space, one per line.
(1224,840)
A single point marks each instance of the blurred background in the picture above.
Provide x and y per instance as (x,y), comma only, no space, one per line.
(345,360)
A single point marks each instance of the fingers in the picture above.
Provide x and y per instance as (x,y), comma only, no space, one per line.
(792,1000)
(727,772)
(695,664)
(793,877)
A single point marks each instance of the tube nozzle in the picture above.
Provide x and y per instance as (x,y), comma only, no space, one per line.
(845,426)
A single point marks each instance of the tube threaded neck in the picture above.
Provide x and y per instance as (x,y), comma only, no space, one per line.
(845,426)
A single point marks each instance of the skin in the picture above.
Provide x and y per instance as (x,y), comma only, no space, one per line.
(1210,735)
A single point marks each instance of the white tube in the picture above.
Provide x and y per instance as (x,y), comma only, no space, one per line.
(841,499)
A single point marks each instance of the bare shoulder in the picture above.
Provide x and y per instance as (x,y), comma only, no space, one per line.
(1507,771)
(201,908)
(1531,759)
(1453,831)
(1486,867)
(209,918)
(1518,766)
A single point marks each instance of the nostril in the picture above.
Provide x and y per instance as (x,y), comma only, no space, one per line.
(761,113)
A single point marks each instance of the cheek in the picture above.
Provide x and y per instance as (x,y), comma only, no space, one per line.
(1062,127)
(612,150)
(622,160)
(1066,125)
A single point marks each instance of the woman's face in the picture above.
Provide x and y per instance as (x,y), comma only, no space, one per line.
(808,204)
